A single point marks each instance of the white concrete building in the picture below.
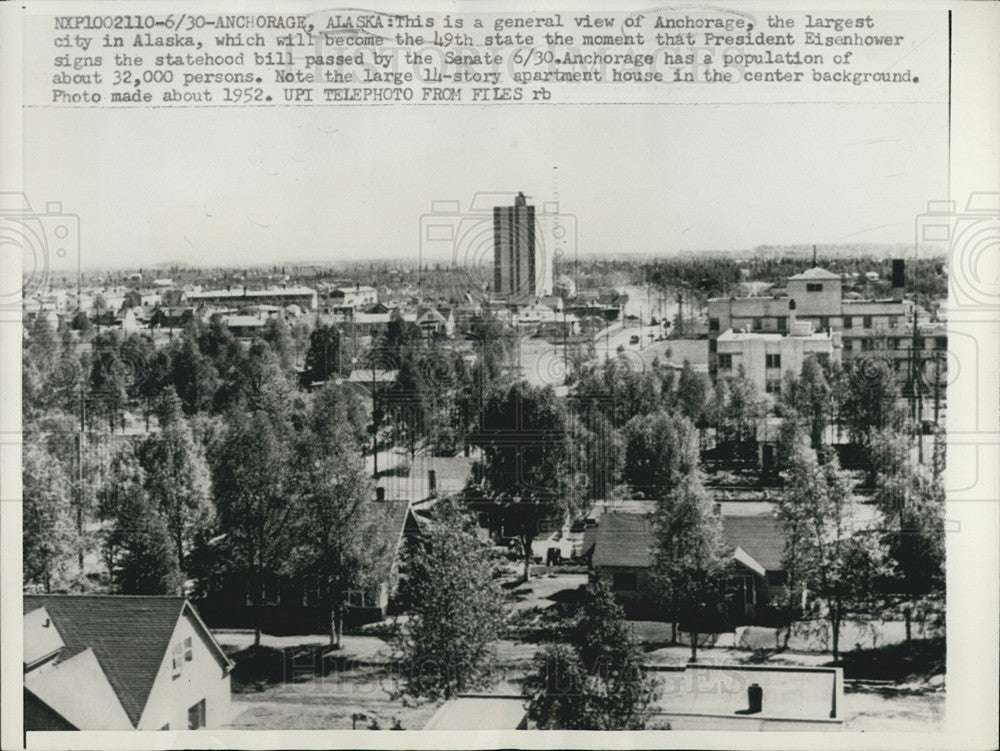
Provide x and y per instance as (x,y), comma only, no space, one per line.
(767,357)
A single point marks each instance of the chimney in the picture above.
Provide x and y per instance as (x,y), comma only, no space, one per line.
(380,493)
(814,256)
(432,482)
(898,278)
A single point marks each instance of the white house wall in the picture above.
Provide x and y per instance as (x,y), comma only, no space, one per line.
(202,678)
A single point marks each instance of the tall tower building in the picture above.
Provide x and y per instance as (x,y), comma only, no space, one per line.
(514,250)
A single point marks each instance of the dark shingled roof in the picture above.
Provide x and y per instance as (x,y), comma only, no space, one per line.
(627,539)
(760,536)
(129,635)
(621,540)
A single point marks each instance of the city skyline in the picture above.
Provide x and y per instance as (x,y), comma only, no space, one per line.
(218,192)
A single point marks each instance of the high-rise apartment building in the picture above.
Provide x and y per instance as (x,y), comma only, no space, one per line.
(514,254)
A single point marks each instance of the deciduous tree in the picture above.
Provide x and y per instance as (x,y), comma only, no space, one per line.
(47,521)
(530,470)
(457,610)
(828,553)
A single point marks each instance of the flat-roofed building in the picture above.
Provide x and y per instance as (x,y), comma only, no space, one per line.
(237,297)
(766,357)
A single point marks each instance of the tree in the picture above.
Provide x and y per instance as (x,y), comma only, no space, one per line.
(400,335)
(323,359)
(622,390)
(735,411)
(871,398)
(337,416)
(911,498)
(47,521)
(810,396)
(457,609)
(827,554)
(660,449)
(110,375)
(194,375)
(338,526)
(250,476)
(177,479)
(691,396)
(278,335)
(597,681)
(137,545)
(493,344)
(688,556)
(81,322)
(530,472)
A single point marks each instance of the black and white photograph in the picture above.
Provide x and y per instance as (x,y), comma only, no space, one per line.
(498,369)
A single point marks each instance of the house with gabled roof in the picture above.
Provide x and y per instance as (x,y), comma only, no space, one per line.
(294,602)
(436,321)
(121,662)
(620,548)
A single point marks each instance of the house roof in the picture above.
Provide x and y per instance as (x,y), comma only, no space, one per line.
(389,532)
(626,540)
(363,375)
(621,540)
(761,537)
(816,273)
(41,637)
(129,636)
(79,691)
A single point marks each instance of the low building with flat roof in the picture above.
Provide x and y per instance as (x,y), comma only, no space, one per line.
(765,358)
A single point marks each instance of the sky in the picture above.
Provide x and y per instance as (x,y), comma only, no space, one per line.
(230,187)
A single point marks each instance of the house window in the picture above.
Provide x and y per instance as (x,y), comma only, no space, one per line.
(824,322)
(745,590)
(867,322)
(814,287)
(782,323)
(758,324)
(894,343)
(310,592)
(941,342)
(867,345)
(777,578)
(713,346)
(713,324)
(181,653)
(823,358)
(773,386)
(360,598)
(196,716)
(624,581)
(848,322)
(271,594)
(725,362)
(772,361)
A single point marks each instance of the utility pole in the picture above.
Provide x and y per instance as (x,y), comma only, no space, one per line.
(79,476)
(375,424)
(937,386)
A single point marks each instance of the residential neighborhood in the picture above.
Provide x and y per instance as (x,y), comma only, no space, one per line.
(667,493)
